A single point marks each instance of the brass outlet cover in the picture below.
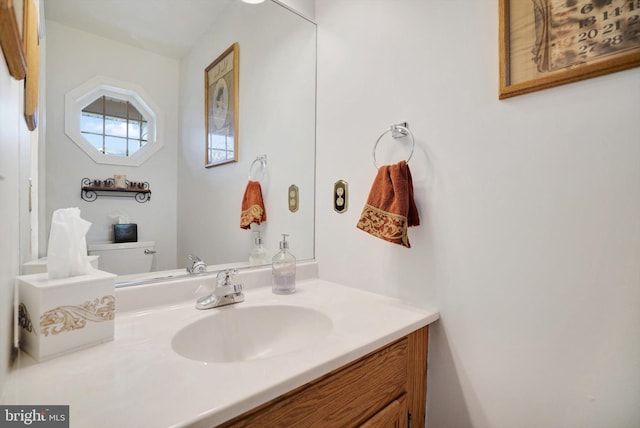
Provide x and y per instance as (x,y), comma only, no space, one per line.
(340,196)
(294,198)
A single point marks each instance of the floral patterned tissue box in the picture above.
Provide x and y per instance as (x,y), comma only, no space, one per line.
(59,316)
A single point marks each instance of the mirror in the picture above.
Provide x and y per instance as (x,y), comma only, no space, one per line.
(193,209)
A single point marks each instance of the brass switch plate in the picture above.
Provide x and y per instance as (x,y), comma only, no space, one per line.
(340,196)
(294,198)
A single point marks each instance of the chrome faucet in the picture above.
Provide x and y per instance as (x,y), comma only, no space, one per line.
(225,293)
(197,265)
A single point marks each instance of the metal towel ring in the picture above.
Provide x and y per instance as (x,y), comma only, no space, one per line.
(263,165)
(397,131)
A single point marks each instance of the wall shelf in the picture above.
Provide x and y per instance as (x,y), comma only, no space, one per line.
(92,189)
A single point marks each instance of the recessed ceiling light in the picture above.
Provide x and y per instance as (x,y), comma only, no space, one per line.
(253,1)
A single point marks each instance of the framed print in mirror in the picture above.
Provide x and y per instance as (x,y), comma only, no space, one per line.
(546,43)
(221,108)
(11,12)
(32,52)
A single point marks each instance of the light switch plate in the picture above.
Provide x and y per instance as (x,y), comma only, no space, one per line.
(340,196)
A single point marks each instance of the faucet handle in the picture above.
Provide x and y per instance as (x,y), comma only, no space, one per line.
(197,265)
(224,276)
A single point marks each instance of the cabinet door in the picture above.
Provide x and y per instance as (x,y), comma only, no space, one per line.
(392,416)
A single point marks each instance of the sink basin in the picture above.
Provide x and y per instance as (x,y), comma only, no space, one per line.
(237,333)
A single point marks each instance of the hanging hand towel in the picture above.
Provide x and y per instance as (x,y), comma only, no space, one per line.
(390,208)
(252,206)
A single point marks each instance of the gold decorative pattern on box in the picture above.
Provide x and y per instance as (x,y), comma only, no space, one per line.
(68,318)
(24,320)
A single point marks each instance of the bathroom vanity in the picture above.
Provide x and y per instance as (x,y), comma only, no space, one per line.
(327,355)
(383,389)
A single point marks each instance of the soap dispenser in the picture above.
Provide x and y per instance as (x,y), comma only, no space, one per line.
(258,255)
(284,270)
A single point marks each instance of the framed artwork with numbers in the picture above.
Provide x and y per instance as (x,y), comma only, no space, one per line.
(546,43)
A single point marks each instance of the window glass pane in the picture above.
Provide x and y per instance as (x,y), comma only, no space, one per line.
(134,146)
(217,141)
(134,130)
(115,146)
(134,114)
(144,131)
(95,140)
(115,126)
(96,107)
(91,123)
(116,108)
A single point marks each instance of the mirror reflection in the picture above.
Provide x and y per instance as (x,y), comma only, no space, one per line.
(194,210)
(113,126)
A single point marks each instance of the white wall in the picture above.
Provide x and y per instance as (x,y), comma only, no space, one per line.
(14,154)
(530,236)
(74,58)
(306,8)
(276,118)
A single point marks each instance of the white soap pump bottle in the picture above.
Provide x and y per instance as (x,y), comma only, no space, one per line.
(284,270)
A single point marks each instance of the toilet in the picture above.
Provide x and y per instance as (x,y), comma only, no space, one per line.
(124,258)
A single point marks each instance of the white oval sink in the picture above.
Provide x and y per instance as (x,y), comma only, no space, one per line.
(237,333)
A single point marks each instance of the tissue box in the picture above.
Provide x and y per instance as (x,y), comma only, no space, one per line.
(40,265)
(63,315)
(125,232)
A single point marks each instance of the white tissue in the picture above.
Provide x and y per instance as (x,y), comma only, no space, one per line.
(118,217)
(67,252)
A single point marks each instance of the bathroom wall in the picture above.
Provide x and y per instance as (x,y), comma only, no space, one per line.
(14,147)
(306,8)
(80,56)
(529,240)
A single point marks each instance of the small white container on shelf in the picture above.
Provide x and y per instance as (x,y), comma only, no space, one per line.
(63,315)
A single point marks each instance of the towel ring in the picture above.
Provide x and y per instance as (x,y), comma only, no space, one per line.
(397,131)
(263,167)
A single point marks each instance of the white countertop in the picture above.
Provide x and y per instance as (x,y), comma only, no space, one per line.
(139,381)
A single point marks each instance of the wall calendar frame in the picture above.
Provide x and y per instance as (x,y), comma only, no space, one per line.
(546,43)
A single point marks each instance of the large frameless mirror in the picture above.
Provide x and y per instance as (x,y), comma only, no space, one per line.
(194,210)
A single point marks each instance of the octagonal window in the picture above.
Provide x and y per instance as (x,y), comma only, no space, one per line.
(113,122)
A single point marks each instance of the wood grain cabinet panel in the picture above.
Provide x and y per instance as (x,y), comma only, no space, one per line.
(378,390)
(392,416)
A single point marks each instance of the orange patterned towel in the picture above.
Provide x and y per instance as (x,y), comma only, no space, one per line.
(252,206)
(390,208)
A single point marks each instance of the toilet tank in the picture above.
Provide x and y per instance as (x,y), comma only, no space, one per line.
(124,258)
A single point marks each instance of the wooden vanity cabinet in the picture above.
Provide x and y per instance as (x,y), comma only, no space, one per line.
(386,388)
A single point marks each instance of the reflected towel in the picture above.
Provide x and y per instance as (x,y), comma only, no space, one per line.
(252,206)
(390,208)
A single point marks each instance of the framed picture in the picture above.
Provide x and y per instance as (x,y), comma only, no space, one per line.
(221,108)
(546,43)
(11,12)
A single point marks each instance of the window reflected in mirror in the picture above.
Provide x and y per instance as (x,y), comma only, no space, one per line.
(113,122)
(114,127)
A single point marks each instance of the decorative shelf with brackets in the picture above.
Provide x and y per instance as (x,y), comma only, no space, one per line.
(92,189)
